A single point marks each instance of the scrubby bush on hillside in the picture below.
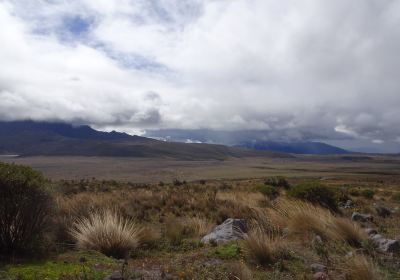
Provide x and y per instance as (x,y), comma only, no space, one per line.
(315,193)
(269,191)
(396,196)
(277,182)
(368,193)
(25,207)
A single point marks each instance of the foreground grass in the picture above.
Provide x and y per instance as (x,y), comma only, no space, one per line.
(72,265)
(174,218)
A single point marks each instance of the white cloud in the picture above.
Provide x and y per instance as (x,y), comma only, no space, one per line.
(326,69)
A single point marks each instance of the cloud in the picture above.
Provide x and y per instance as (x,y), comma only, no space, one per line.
(309,69)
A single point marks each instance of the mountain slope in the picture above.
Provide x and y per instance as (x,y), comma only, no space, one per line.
(315,148)
(41,138)
(251,139)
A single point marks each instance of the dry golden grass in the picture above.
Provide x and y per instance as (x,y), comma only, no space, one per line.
(268,219)
(341,229)
(246,199)
(360,267)
(199,226)
(303,217)
(149,235)
(108,232)
(263,248)
(240,271)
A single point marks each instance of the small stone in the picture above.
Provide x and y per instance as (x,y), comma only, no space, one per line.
(371,231)
(321,276)
(361,217)
(317,267)
(349,204)
(318,240)
(390,246)
(378,239)
(382,211)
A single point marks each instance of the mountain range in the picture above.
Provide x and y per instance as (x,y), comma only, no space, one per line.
(28,138)
(246,139)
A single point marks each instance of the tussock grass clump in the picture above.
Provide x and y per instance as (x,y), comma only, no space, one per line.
(341,229)
(360,267)
(107,232)
(177,229)
(263,248)
(199,226)
(303,217)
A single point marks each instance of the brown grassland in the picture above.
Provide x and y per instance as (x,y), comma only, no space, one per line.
(148,216)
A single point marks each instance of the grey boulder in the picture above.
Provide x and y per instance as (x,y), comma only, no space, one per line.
(231,229)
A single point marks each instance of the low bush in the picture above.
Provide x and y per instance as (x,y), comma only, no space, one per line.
(396,196)
(25,209)
(107,232)
(315,193)
(368,193)
(269,191)
(354,192)
(277,182)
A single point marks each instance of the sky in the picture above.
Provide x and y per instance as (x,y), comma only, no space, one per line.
(297,70)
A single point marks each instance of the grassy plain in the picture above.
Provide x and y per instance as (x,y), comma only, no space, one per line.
(152,170)
(177,213)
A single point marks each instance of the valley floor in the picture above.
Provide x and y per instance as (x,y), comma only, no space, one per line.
(152,170)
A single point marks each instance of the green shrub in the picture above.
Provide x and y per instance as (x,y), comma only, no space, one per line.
(268,191)
(314,192)
(368,193)
(354,192)
(25,207)
(279,182)
(396,196)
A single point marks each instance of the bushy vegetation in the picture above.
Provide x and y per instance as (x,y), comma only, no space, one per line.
(158,228)
(279,182)
(315,193)
(396,196)
(25,209)
(368,193)
(268,191)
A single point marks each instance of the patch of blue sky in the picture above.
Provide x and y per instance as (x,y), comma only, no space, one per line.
(133,61)
(77,25)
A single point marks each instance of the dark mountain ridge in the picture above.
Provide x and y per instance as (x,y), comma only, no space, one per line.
(251,139)
(312,148)
(28,138)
